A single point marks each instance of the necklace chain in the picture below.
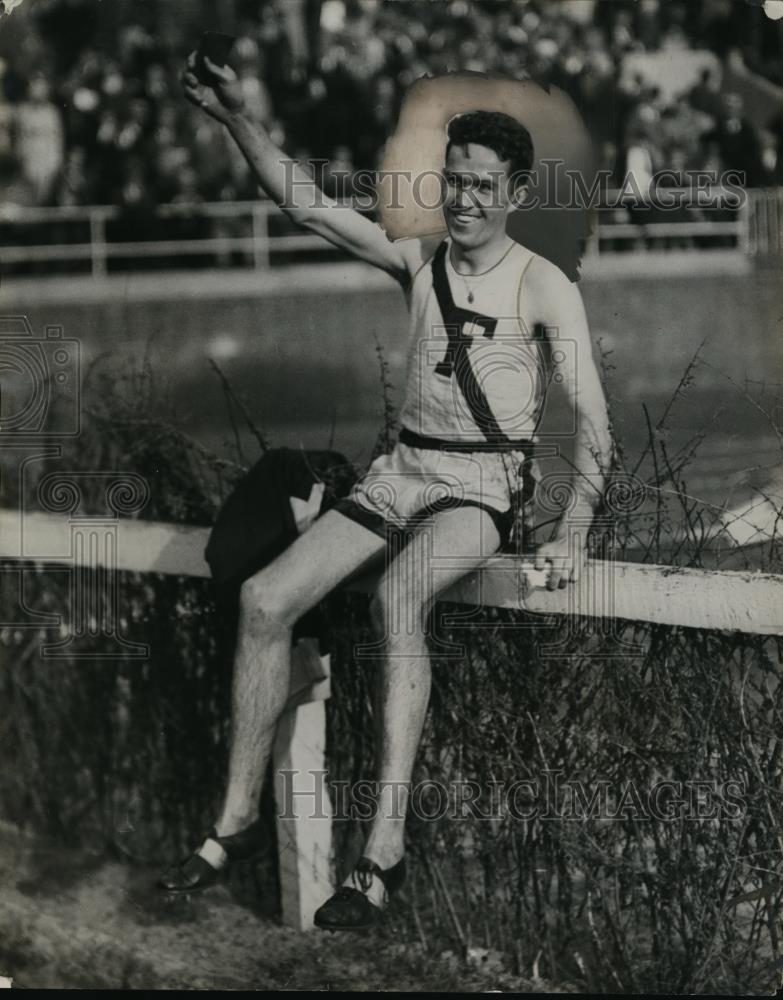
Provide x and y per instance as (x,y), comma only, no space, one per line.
(481,275)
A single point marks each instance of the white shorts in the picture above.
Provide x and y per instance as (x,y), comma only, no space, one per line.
(411,483)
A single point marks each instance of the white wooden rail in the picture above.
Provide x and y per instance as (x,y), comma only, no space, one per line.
(749,602)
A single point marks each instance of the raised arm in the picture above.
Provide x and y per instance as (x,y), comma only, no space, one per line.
(557,305)
(286,182)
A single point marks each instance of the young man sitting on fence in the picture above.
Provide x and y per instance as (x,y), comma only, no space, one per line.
(453,481)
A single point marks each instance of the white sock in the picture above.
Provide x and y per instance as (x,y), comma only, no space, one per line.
(213,853)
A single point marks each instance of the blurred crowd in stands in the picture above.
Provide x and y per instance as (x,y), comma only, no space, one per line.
(91,118)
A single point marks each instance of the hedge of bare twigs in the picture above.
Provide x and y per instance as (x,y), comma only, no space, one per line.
(641,847)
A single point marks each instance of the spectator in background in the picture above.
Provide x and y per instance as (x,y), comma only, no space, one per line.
(678,163)
(134,128)
(81,91)
(74,183)
(18,191)
(737,140)
(19,194)
(640,166)
(627,95)
(771,168)
(135,198)
(674,35)
(682,128)
(648,24)
(157,86)
(135,193)
(607,162)
(40,140)
(623,38)
(360,60)
(190,225)
(718,28)
(211,159)
(705,95)
(380,115)
(640,161)
(254,90)
(169,157)
(644,120)
(710,161)
(596,90)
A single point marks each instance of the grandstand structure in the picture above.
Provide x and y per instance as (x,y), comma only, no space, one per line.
(104,167)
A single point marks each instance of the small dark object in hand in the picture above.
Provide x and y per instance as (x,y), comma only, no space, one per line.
(217,48)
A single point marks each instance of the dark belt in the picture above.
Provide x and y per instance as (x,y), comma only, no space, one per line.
(415,440)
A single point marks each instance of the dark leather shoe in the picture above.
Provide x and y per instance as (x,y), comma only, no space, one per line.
(204,866)
(349,909)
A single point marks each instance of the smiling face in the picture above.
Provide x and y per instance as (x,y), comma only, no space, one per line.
(477,195)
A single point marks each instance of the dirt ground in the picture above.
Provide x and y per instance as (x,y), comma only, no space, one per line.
(77,921)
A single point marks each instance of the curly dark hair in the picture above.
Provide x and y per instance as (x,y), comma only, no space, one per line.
(501,133)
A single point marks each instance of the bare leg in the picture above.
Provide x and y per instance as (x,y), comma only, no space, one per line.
(452,544)
(271,603)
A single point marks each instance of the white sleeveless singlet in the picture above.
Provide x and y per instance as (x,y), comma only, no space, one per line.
(475,374)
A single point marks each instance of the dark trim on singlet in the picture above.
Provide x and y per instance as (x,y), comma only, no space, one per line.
(457,360)
(415,440)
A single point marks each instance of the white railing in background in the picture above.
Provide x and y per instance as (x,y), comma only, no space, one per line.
(757,230)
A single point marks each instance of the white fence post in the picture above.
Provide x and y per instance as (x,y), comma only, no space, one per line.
(260,215)
(304,815)
(98,242)
(303,807)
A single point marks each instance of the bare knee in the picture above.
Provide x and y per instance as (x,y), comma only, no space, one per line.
(264,604)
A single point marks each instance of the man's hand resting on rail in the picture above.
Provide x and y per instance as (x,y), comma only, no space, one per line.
(564,558)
